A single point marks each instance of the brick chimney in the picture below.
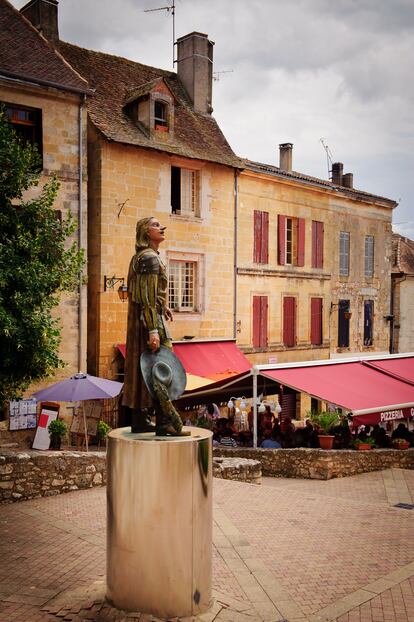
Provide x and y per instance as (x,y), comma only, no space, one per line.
(43,14)
(285,157)
(195,69)
(337,173)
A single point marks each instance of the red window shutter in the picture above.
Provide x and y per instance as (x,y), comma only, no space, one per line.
(317,244)
(301,242)
(316,321)
(263,322)
(281,227)
(264,254)
(257,235)
(289,321)
(256,321)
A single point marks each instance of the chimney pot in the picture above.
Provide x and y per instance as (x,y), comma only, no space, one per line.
(285,157)
(43,14)
(337,173)
(195,69)
(348,180)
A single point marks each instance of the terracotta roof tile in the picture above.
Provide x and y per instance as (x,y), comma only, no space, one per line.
(26,55)
(115,80)
(275,170)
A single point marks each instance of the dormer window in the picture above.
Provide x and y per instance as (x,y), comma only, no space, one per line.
(160,116)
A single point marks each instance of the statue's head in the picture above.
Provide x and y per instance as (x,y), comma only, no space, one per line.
(142,239)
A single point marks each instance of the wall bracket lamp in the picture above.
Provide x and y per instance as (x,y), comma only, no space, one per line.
(111,281)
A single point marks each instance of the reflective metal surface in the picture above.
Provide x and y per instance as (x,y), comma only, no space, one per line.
(159,536)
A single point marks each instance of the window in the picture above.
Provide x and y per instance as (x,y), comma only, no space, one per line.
(182,290)
(185,191)
(369,256)
(317,244)
(344,253)
(27,123)
(343,323)
(261,237)
(289,321)
(316,321)
(160,115)
(291,241)
(260,321)
(368,322)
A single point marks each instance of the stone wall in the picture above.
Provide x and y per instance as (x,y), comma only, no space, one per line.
(31,474)
(239,469)
(320,464)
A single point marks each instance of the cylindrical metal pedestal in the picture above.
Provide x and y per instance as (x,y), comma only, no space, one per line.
(159,537)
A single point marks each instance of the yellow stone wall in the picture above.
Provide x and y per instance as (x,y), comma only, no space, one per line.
(132,183)
(262,192)
(60,128)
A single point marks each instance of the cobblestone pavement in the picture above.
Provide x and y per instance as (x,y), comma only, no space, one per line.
(289,550)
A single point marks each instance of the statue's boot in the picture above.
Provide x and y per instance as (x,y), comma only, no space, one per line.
(141,421)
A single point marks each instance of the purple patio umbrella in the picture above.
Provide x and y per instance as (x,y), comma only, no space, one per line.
(78,388)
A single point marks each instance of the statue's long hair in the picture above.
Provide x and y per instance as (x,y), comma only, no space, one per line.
(142,238)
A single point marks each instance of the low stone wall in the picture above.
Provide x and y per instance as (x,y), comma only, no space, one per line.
(239,469)
(31,474)
(321,464)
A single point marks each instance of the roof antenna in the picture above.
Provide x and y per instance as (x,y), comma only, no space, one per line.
(329,158)
(217,74)
(169,8)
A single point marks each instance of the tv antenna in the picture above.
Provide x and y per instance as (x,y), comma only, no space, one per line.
(329,157)
(217,74)
(170,9)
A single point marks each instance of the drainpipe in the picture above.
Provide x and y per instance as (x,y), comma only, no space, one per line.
(80,235)
(394,283)
(255,372)
(236,201)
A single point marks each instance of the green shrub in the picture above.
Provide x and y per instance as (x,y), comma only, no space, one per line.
(57,428)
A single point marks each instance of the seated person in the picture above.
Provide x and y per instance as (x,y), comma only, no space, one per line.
(227,439)
(268,442)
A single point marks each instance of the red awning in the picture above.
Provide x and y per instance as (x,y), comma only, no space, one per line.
(400,368)
(352,386)
(122,348)
(212,359)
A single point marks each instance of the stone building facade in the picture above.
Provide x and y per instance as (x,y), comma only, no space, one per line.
(44,100)
(313,265)
(402,295)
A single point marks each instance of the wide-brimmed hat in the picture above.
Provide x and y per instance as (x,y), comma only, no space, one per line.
(165,367)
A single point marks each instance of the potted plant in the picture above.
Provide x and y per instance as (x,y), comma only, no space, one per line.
(57,430)
(102,430)
(364,445)
(400,443)
(324,422)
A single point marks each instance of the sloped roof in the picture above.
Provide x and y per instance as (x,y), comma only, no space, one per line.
(402,254)
(269,169)
(25,54)
(114,79)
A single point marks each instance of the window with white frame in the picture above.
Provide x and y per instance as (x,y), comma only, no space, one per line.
(182,285)
(344,253)
(185,191)
(369,256)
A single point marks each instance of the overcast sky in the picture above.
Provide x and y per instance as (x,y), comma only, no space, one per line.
(301,70)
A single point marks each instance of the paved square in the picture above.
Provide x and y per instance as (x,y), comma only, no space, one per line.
(294,550)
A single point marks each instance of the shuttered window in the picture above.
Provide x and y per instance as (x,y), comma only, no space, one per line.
(291,241)
(260,321)
(369,256)
(316,321)
(185,191)
(368,322)
(317,244)
(344,253)
(261,237)
(343,324)
(289,321)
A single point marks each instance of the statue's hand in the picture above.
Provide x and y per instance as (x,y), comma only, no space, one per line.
(154,342)
(168,314)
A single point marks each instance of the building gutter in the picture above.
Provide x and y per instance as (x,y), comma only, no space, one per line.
(80,236)
(22,79)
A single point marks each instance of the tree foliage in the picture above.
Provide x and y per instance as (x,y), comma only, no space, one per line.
(37,263)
